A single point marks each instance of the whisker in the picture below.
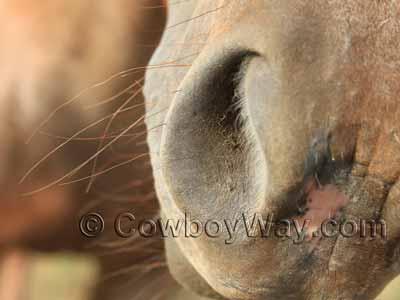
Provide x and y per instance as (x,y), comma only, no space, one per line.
(85,139)
(122,246)
(165,5)
(165,65)
(120,74)
(59,147)
(196,17)
(146,267)
(88,160)
(143,133)
(106,170)
(113,135)
(51,115)
(110,99)
(101,143)
(62,145)
(136,136)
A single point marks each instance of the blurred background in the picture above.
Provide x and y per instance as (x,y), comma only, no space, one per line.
(72,141)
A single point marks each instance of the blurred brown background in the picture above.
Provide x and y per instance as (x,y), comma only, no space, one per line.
(73,141)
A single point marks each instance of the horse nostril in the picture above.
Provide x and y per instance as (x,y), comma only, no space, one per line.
(206,159)
(235,141)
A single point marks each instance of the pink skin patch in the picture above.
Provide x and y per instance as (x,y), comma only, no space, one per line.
(323,203)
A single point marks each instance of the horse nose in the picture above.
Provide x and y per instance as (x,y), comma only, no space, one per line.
(236,137)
